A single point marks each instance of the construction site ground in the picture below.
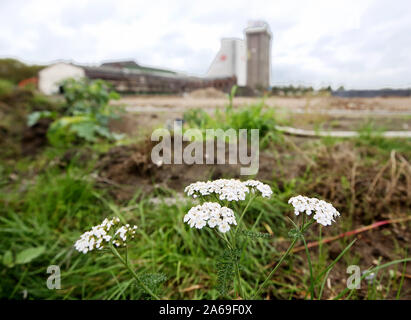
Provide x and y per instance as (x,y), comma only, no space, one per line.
(312,113)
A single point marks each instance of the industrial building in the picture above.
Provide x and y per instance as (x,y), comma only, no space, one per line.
(245,63)
(249,61)
(230,61)
(129,77)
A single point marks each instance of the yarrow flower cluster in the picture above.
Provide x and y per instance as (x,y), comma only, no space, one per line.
(210,213)
(228,189)
(324,211)
(99,235)
(264,189)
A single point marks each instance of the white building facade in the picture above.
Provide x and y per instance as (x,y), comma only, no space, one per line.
(231,60)
(51,77)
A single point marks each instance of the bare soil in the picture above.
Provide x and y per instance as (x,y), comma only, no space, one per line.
(303,103)
(130,168)
(326,113)
(16,138)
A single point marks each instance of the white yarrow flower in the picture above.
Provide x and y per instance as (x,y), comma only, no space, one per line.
(264,189)
(223,227)
(210,213)
(100,234)
(228,189)
(324,212)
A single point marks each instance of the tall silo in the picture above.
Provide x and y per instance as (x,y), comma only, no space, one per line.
(258,37)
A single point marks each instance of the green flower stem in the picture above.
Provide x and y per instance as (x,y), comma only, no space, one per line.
(240,288)
(243,213)
(238,276)
(311,269)
(237,267)
(224,239)
(276,267)
(127,265)
(301,230)
(320,244)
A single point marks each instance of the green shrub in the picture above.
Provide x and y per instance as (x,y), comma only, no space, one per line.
(197,118)
(250,117)
(87,113)
(6,87)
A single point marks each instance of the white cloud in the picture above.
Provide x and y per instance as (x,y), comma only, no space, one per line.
(358,44)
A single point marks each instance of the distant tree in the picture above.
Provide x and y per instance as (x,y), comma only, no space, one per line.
(290,90)
(16,71)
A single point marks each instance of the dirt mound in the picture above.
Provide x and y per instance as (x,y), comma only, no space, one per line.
(13,117)
(207,93)
(16,138)
(130,168)
(35,137)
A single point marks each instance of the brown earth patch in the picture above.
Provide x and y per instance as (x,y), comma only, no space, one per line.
(130,168)
(35,137)
(16,138)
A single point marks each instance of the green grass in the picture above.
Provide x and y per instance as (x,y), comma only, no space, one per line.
(58,205)
(250,117)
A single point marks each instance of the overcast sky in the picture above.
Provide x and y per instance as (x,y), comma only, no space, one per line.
(358,44)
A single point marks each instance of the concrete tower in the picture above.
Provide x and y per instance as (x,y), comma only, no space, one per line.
(258,37)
